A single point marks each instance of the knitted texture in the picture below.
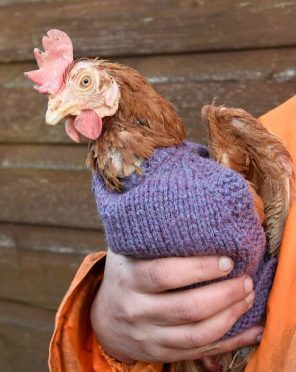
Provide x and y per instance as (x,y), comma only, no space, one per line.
(186,204)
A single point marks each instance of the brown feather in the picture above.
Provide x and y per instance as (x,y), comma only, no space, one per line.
(143,122)
(258,203)
(242,143)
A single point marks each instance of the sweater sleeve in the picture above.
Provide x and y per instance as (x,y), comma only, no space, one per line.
(71,346)
(74,347)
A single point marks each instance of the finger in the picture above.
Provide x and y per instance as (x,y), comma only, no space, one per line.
(196,335)
(246,338)
(249,337)
(164,274)
(192,305)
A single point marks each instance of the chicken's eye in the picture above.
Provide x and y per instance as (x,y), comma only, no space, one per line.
(85,82)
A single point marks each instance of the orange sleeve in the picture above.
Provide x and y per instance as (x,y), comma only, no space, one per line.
(73,347)
(277,350)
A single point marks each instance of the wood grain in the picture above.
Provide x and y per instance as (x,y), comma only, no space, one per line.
(39,273)
(24,337)
(47,197)
(114,27)
(36,278)
(77,242)
(43,157)
(254,80)
(46,185)
(46,239)
(37,264)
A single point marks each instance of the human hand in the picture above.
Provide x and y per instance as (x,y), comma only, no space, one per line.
(136,317)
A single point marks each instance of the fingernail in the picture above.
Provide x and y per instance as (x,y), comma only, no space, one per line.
(259,337)
(248,283)
(250,298)
(225,263)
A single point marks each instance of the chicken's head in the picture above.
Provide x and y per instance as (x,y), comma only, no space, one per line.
(80,91)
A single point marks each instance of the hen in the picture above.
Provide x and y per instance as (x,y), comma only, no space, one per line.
(126,121)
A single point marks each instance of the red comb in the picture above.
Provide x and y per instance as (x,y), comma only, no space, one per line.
(52,63)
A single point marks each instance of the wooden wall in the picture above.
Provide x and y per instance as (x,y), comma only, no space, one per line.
(242,52)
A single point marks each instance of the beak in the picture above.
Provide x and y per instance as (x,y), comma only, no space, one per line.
(53,117)
(57,110)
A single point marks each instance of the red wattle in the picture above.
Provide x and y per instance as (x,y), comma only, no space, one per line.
(89,124)
(71,130)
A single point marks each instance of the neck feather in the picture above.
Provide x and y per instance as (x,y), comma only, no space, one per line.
(143,122)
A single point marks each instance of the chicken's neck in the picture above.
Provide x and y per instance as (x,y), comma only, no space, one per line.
(144,121)
(121,149)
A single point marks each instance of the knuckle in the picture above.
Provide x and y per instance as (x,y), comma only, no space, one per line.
(201,269)
(193,340)
(138,335)
(235,312)
(213,349)
(147,345)
(138,270)
(128,313)
(232,316)
(232,294)
(186,311)
(156,354)
(234,290)
(159,276)
(239,342)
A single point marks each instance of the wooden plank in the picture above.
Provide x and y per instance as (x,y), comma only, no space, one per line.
(57,157)
(36,267)
(36,278)
(37,264)
(47,239)
(47,197)
(114,27)
(58,251)
(24,337)
(255,97)
(254,80)
(222,66)
(26,125)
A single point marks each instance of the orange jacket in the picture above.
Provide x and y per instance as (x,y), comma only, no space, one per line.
(74,348)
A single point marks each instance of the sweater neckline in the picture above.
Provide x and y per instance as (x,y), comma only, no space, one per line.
(149,166)
(159,157)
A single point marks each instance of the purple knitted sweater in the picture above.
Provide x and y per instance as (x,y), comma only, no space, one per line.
(186,204)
